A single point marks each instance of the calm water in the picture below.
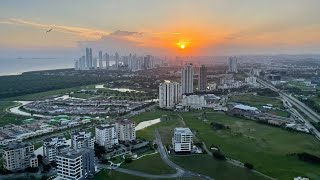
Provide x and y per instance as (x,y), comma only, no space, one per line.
(18,66)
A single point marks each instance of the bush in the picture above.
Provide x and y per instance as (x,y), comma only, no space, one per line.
(248,165)
(218,155)
(127,159)
(309,158)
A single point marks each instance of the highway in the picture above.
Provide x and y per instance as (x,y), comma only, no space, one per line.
(299,105)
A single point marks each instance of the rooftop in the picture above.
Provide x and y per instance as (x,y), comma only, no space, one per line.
(72,154)
(16,146)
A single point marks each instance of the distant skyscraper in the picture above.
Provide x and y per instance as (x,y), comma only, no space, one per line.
(87,57)
(107,58)
(169,94)
(95,63)
(90,58)
(117,59)
(100,60)
(202,82)
(187,79)
(233,65)
(89,63)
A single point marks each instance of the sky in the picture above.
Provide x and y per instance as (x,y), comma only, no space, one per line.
(162,27)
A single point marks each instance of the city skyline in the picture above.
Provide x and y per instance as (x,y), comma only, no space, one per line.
(166,28)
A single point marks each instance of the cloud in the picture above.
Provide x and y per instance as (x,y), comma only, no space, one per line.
(126,33)
(83,32)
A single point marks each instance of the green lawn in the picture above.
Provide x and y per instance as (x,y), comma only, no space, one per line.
(108,174)
(5,117)
(264,146)
(152,164)
(279,113)
(47,94)
(257,101)
(82,95)
(150,115)
(219,170)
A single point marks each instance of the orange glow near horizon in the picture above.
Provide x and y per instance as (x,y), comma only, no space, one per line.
(183,44)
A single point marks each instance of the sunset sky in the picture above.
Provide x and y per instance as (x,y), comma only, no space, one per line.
(204,27)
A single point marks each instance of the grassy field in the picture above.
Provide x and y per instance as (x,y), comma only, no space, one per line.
(266,147)
(165,127)
(82,95)
(257,101)
(152,164)
(5,117)
(279,113)
(219,170)
(108,174)
(47,94)
(150,115)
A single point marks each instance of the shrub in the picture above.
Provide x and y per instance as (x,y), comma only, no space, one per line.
(248,165)
(218,155)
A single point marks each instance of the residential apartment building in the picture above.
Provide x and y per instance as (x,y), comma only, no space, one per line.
(106,135)
(182,140)
(125,130)
(82,139)
(19,156)
(202,81)
(76,164)
(233,65)
(187,79)
(53,146)
(169,94)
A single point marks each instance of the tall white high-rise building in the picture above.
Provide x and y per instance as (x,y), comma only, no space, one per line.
(89,63)
(187,79)
(82,139)
(100,60)
(76,164)
(233,65)
(106,135)
(125,130)
(169,94)
(182,140)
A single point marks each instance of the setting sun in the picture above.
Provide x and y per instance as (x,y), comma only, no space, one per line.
(182,44)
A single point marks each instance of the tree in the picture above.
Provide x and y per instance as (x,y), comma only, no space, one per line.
(128,159)
(44,177)
(248,165)
(218,155)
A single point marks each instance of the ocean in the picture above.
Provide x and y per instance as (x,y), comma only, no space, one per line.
(15,66)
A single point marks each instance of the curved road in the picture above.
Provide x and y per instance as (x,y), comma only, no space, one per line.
(180,172)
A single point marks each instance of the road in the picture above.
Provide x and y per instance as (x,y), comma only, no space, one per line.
(180,172)
(299,105)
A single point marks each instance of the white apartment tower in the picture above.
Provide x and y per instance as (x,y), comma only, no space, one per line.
(106,135)
(53,146)
(76,164)
(187,79)
(125,130)
(182,140)
(233,65)
(169,94)
(82,139)
(19,156)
